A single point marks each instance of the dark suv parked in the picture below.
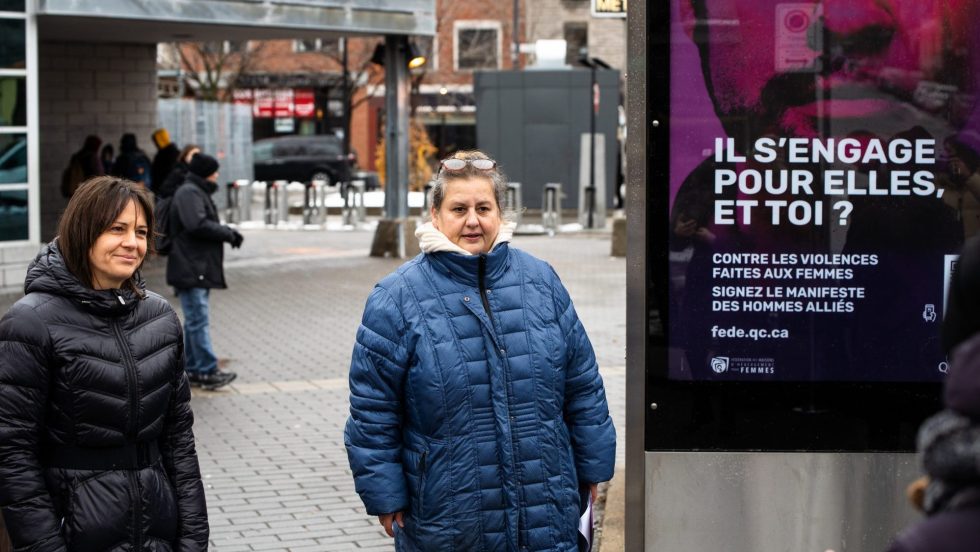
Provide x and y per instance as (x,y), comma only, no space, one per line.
(300,159)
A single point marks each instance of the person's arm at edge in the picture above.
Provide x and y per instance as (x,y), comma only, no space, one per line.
(586,411)
(373,432)
(180,459)
(28,509)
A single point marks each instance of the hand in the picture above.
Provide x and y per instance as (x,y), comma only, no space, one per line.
(386,520)
(685,227)
(594,490)
(704,235)
(236,239)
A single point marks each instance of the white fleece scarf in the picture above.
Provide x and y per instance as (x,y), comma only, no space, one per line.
(432,240)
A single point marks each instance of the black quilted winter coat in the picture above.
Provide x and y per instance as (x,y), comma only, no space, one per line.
(96,448)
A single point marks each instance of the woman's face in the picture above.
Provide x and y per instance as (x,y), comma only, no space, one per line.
(469,215)
(190,155)
(120,250)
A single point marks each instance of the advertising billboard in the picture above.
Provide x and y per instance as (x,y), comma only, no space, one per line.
(823,174)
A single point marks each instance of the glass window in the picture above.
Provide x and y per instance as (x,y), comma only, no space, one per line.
(13,101)
(235,46)
(13,215)
(325,148)
(13,158)
(12,5)
(477,49)
(262,152)
(305,45)
(13,54)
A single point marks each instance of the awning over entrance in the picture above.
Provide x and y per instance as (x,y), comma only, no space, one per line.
(155,21)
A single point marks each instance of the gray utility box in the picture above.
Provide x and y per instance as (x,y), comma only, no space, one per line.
(532,123)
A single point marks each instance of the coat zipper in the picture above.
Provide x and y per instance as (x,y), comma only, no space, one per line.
(482,281)
(482,278)
(131,430)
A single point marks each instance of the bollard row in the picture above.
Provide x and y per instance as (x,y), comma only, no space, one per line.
(241,194)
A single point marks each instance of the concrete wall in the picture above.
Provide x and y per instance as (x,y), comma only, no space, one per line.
(86,88)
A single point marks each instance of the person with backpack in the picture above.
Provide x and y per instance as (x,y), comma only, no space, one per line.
(165,193)
(178,174)
(84,164)
(132,162)
(165,159)
(194,266)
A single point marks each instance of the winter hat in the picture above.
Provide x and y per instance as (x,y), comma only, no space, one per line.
(203,165)
(161,138)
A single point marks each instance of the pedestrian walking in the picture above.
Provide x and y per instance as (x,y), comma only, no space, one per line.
(84,164)
(195,266)
(96,446)
(106,156)
(477,413)
(949,442)
(132,162)
(164,160)
(178,174)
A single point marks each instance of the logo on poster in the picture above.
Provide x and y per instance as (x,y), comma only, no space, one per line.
(719,364)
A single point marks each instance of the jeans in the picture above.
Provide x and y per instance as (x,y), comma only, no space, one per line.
(199,355)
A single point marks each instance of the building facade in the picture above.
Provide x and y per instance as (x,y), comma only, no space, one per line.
(71,68)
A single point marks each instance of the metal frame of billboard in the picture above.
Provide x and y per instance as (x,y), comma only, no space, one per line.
(842,417)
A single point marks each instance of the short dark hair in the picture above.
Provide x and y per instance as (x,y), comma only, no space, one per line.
(90,212)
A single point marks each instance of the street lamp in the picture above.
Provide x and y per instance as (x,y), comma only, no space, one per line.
(593,63)
(416,58)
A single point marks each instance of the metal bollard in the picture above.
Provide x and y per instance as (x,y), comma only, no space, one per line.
(270,210)
(514,204)
(232,213)
(244,200)
(313,212)
(354,209)
(551,208)
(282,200)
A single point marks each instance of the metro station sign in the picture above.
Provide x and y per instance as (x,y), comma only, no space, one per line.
(609,8)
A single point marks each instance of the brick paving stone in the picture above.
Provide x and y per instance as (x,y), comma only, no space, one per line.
(271,445)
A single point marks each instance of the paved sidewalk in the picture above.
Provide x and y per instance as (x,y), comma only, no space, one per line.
(271,446)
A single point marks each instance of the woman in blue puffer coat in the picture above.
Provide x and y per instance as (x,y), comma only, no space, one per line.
(477,410)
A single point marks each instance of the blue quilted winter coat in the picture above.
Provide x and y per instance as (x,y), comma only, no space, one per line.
(476,405)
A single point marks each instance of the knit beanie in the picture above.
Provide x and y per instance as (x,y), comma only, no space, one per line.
(161,138)
(203,165)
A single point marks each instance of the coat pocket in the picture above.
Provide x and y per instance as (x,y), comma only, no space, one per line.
(415,459)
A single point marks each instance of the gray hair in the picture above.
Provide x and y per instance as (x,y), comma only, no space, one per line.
(496,177)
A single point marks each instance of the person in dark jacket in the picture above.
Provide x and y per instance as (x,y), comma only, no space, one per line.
(132,162)
(477,413)
(195,266)
(949,442)
(178,174)
(165,159)
(84,164)
(106,156)
(96,447)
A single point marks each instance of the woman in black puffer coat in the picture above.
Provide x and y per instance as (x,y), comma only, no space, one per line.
(96,448)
